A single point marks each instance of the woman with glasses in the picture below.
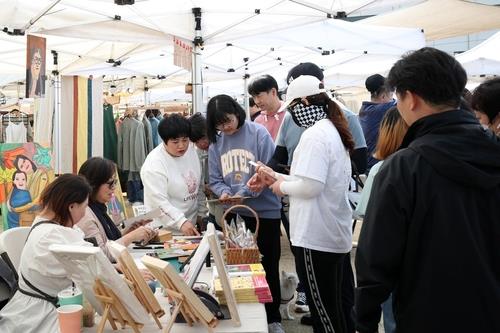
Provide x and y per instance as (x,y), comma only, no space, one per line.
(320,215)
(234,143)
(100,173)
(35,84)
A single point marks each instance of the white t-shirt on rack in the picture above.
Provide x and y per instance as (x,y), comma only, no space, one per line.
(15,133)
(324,222)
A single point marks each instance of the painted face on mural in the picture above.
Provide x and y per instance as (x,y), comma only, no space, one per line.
(19,180)
(25,165)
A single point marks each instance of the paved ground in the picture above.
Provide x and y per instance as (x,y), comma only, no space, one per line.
(287,264)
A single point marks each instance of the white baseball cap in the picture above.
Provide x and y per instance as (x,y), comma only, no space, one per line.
(303,86)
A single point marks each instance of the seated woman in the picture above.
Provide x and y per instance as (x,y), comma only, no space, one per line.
(99,172)
(41,275)
(171,176)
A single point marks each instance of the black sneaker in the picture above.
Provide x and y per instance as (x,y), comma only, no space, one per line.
(306,320)
(301,303)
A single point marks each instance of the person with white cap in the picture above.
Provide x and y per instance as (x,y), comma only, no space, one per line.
(320,214)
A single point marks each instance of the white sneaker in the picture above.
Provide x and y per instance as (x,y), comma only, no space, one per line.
(301,303)
(275,328)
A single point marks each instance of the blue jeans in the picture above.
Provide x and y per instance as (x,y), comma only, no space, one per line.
(389,322)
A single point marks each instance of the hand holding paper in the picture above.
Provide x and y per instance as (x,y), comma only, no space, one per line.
(264,176)
(138,224)
(142,219)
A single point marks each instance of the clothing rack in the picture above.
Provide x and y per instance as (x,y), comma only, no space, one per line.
(15,116)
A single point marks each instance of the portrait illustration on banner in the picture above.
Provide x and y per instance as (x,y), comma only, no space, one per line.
(25,170)
(35,67)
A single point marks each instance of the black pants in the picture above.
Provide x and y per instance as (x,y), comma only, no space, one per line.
(321,273)
(268,241)
(286,224)
(348,293)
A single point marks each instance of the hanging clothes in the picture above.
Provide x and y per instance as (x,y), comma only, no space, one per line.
(131,145)
(81,128)
(20,130)
(148,133)
(44,116)
(154,129)
(97,117)
(15,133)
(109,133)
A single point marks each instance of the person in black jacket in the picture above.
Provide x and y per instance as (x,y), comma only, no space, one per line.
(431,228)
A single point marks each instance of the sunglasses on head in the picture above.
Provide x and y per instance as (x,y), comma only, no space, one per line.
(311,100)
(294,103)
(112,183)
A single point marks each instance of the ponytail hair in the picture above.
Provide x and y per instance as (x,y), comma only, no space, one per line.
(336,116)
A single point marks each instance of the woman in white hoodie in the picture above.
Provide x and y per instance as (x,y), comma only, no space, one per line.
(171,176)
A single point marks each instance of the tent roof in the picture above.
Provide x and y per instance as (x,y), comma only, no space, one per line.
(483,59)
(443,18)
(100,38)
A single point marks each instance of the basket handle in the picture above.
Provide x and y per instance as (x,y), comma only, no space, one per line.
(257,221)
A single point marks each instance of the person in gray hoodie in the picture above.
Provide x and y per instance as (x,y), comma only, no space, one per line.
(235,142)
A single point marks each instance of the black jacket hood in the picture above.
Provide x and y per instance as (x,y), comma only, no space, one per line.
(457,147)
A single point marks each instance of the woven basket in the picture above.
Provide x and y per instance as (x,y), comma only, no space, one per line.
(235,256)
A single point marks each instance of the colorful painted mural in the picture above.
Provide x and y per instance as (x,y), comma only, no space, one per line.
(25,170)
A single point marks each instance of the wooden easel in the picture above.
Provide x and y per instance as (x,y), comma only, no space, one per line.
(135,279)
(113,309)
(185,300)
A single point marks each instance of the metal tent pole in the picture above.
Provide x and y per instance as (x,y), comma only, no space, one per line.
(56,128)
(245,87)
(196,68)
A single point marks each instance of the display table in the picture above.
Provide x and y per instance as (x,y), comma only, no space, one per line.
(252,315)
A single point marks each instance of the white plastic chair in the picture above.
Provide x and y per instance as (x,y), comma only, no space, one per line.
(12,241)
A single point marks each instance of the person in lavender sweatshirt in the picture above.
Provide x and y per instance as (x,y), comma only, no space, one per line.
(235,142)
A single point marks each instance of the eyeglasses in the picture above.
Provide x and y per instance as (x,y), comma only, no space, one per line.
(37,60)
(228,123)
(112,183)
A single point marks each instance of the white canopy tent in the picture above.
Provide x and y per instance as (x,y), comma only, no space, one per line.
(89,34)
(442,18)
(484,59)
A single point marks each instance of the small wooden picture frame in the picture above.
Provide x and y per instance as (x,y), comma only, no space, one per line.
(132,273)
(100,283)
(192,270)
(186,301)
(216,251)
